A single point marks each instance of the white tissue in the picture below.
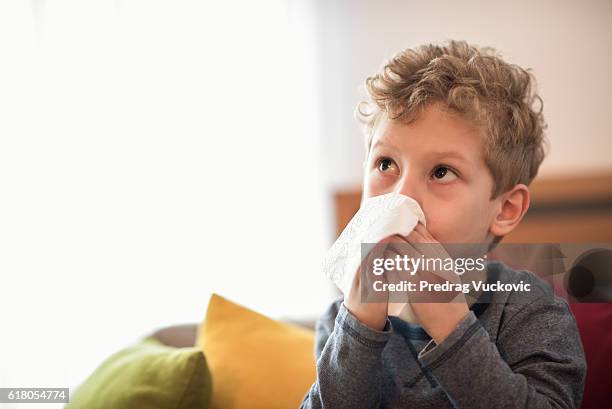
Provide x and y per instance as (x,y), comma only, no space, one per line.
(378,218)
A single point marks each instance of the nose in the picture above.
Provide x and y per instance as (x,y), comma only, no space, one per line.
(409,186)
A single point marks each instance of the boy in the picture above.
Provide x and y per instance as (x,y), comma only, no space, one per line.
(452,126)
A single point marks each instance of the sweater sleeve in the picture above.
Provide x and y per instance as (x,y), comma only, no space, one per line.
(349,362)
(538,361)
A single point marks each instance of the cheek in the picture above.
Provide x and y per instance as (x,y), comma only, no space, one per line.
(373,186)
(454,223)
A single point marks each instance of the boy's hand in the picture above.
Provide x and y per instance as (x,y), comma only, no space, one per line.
(372,314)
(438,319)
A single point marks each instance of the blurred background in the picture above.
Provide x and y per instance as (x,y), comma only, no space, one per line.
(155,152)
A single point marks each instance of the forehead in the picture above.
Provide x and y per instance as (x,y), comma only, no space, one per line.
(437,131)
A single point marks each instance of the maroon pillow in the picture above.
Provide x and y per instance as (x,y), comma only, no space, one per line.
(595,326)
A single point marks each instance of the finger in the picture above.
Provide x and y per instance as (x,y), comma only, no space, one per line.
(396,238)
(397,244)
(364,290)
(421,229)
(406,254)
(420,243)
(421,235)
(416,237)
(403,248)
(424,242)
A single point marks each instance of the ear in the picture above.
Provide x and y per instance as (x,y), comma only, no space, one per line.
(512,207)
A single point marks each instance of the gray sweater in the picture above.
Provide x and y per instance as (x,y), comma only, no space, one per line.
(510,352)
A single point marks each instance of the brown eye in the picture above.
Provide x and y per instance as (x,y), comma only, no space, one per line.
(440,172)
(385,164)
(444,174)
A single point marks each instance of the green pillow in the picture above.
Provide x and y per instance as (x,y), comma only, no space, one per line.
(147,375)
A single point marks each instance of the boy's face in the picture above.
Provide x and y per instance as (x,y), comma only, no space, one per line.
(438,161)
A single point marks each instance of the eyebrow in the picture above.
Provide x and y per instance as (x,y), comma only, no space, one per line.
(449,154)
(434,155)
(384,144)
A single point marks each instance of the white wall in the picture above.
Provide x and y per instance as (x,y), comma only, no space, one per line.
(567,43)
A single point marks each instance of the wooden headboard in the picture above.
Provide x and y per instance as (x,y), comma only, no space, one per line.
(562,210)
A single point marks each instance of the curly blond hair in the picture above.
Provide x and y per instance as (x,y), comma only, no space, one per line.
(498,97)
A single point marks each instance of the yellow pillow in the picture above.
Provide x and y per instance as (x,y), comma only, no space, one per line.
(255,362)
